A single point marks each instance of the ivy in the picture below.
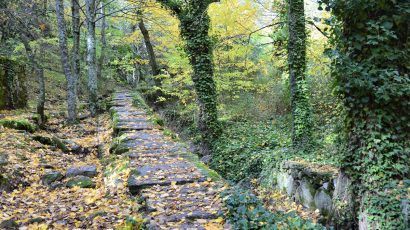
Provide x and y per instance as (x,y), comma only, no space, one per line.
(371,68)
(300,102)
(194,27)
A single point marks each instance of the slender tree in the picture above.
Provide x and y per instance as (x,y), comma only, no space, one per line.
(194,27)
(71,81)
(103,40)
(90,10)
(39,71)
(301,110)
(76,30)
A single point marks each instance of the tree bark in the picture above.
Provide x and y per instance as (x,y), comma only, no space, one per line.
(301,110)
(103,41)
(152,59)
(71,81)
(194,26)
(91,56)
(40,77)
(75,9)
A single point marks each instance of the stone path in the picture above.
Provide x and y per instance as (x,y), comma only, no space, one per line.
(176,193)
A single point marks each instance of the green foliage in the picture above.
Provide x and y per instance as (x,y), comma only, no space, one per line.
(194,28)
(240,151)
(372,76)
(245,211)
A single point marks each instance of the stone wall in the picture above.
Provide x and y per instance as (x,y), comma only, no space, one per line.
(321,187)
(13,91)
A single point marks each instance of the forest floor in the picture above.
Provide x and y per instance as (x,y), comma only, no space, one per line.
(34,205)
(45,186)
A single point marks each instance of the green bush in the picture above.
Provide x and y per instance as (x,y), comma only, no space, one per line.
(239,153)
(246,211)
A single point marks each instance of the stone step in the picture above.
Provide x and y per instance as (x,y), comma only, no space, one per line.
(120,127)
(153,135)
(157,152)
(141,145)
(163,174)
(191,205)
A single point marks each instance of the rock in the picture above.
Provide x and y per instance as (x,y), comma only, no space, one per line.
(304,195)
(75,148)
(81,181)
(206,159)
(323,202)
(43,139)
(3,159)
(325,185)
(49,178)
(35,220)
(9,224)
(88,170)
(5,184)
(286,182)
(60,144)
(56,185)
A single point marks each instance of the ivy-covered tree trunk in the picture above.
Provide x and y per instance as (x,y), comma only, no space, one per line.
(300,105)
(194,26)
(372,71)
(91,56)
(71,81)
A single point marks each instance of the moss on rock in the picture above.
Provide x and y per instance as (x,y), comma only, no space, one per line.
(22,124)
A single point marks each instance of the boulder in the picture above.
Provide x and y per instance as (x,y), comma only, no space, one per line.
(88,170)
(80,181)
(9,224)
(3,159)
(305,193)
(323,202)
(13,91)
(53,176)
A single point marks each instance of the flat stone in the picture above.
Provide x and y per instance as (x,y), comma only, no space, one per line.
(133,126)
(144,135)
(88,170)
(81,181)
(163,174)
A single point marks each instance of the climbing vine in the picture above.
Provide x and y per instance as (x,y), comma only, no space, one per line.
(194,27)
(371,67)
(301,109)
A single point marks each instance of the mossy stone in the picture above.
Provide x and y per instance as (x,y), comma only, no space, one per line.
(51,177)
(9,224)
(19,125)
(81,181)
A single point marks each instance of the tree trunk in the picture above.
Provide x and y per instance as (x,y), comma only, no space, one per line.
(75,9)
(71,80)
(40,77)
(152,59)
(194,26)
(300,105)
(103,42)
(372,72)
(91,56)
